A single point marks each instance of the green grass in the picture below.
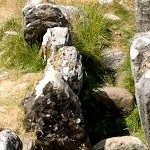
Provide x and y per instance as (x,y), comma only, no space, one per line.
(134,125)
(16,53)
(91,37)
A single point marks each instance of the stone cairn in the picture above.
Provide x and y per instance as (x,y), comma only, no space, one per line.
(140,63)
(53,109)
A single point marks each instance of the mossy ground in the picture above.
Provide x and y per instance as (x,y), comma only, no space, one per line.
(90,37)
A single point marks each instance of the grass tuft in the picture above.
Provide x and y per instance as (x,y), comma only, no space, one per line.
(16,53)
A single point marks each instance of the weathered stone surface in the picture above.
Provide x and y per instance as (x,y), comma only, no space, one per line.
(38,18)
(54,109)
(66,59)
(120,79)
(3,75)
(9,141)
(103,2)
(56,113)
(54,39)
(113,58)
(120,143)
(119,100)
(142,10)
(140,64)
(112,17)
(139,54)
(143,101)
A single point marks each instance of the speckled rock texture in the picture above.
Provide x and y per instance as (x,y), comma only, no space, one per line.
(9,140)
(120,143)
(38,17)
(54,109)
(142,10)
(140,64)
(105,2)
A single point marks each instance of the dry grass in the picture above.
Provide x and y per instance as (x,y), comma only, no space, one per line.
(9,8)
(13,89)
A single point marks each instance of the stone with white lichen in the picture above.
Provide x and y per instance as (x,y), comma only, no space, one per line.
(139,54)
(140,65)
(38,17)
(9,140)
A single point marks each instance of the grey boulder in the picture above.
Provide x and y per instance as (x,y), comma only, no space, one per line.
(120,143)
(119,100)
(9,141)
(38,18)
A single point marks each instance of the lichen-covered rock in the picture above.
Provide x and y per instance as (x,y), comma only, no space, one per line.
(139,54)
(56,113)
(143,101)
(142,10)
(38,18)
(65,59)
(119,100)
(120,143)
(140,64)
(9,141)
(113,58)
(54,39)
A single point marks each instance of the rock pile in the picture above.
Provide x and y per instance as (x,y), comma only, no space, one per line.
(54,109)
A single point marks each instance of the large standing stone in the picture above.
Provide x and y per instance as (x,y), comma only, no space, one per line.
(38,18)
(119,100)
(140,53)
(140,63)
(9,141)
(56,114)
(120,143)
(142,10)
(67,59)
(54,109)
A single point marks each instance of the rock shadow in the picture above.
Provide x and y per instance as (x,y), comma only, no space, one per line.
(102,121)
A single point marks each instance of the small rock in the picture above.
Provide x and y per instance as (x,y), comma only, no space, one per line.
(119,100)
(113,58)
(8,34)
(103,2)
(3,75)
(9,141)
(120,143)
(21,86)
(112,17)
(28,144)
